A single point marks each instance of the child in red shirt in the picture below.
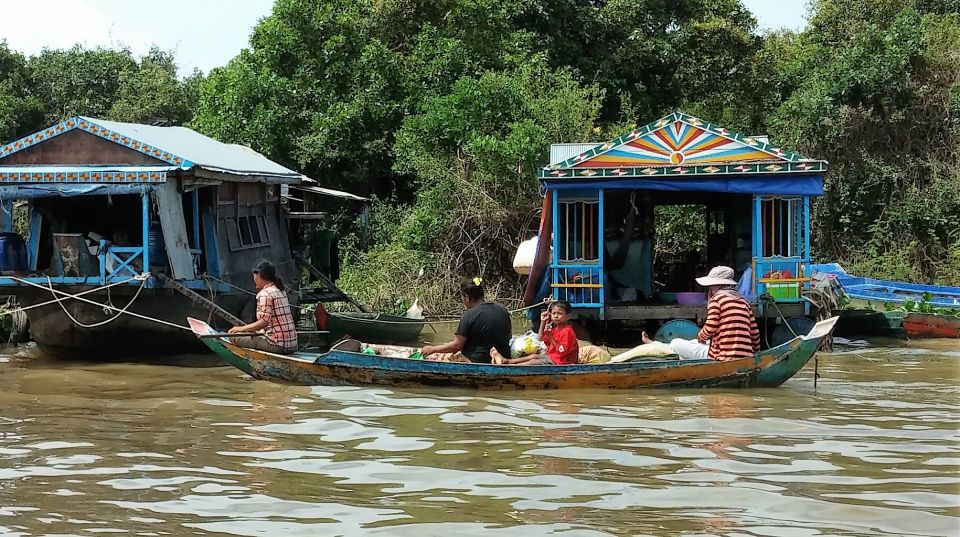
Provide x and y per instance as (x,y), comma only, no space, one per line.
(556,332)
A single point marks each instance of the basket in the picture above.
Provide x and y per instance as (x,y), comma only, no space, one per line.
(784,291)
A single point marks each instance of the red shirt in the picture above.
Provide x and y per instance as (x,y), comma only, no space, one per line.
(562,346)
(731,327)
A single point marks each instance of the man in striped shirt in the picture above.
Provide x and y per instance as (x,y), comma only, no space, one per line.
(730,331)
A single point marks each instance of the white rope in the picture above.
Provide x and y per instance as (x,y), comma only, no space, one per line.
(106,307)
(91,302)
(228,284)
(87,292)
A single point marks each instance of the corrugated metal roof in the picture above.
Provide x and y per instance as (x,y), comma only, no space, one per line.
(330,192)
(561,152)
(200,150)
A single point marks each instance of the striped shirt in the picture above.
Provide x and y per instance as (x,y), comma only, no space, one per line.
(731,328)
(273,307)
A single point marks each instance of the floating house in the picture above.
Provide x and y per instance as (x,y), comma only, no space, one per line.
(601,209)
(159,222)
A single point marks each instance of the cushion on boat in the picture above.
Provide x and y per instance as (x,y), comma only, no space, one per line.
(592,354)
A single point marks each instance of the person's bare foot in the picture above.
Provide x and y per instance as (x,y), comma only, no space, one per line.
(495,357)
(645,338)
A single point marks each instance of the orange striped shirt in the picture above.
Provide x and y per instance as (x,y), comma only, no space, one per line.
(731,327)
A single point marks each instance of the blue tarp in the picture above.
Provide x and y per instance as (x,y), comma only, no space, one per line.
(21,192)
(810,185)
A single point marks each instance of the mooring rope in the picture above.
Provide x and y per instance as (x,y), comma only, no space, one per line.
(87,292)
(91,302)
(106,307)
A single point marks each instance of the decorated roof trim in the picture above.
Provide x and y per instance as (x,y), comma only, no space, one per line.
(813,166)
(84,174)
(775,153)
(90,126)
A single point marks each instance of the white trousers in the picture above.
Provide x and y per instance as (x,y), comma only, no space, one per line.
(690,349)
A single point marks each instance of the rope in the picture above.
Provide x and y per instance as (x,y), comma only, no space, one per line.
(228,284)
(87,292)
(106,307)
(77,297)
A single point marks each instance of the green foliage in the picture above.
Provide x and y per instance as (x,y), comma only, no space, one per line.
(112,84)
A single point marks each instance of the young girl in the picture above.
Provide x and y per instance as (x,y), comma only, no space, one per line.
(556,332)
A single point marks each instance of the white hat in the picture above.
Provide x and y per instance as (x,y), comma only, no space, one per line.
(719,275)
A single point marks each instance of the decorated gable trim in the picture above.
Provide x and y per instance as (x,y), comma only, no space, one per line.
(815,166)
(679,139)
(89,126)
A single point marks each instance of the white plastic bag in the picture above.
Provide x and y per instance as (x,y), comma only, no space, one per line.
(415,311)
(526,344)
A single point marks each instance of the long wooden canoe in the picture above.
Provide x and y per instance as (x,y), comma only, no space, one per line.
(767,368)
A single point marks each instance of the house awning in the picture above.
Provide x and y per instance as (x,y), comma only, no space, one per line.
(329,192)
(31,191)
(799,185)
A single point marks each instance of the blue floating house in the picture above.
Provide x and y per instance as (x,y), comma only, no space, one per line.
(601,210)
(161,222)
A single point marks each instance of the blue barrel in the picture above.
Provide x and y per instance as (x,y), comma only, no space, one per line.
(677,329)
(13,253)
(157,248)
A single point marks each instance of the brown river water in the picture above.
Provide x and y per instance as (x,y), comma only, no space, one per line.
(91,448)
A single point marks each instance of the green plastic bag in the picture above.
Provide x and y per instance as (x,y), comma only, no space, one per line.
(369,351)
(417,355)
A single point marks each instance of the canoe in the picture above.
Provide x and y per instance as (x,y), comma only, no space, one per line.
(374,327)
(931,325)
(870,323)
(886,291)
(767,368)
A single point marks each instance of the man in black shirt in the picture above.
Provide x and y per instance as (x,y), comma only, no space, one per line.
(484,326)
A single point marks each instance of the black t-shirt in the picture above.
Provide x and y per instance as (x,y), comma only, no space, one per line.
(485,326)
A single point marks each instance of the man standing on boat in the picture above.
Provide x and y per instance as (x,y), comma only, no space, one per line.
(483,327)
(274,317)
(730,331)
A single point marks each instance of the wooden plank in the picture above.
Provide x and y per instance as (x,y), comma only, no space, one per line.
(170,209)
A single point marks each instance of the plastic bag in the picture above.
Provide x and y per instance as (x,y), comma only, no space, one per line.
(415,311)
(526,344)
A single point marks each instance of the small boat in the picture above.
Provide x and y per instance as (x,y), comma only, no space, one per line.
(870,323)
(768,368)
(931,325)
(374,327)
(885,291)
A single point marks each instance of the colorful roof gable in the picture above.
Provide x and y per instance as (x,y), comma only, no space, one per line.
(681,144)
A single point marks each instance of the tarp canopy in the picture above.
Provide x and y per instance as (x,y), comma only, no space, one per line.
(805,185)
(21,192)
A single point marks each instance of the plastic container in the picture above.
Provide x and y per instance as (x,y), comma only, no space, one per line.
(157,247)
(784,291)
(525,256)
(691,299)
(13,253)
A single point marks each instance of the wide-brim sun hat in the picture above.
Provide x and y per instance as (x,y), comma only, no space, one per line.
(719,275)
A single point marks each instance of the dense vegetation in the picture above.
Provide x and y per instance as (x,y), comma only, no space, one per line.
(443,109)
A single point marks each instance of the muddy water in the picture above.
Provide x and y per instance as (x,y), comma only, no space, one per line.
(88,449)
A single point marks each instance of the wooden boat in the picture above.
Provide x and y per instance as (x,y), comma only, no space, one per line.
(885,291)
(767,368)
(374,327)
(870,323)
(931,325)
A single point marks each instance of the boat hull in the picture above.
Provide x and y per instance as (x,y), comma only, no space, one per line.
(765,369)
(931,325)
(126,336)
(374,328)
